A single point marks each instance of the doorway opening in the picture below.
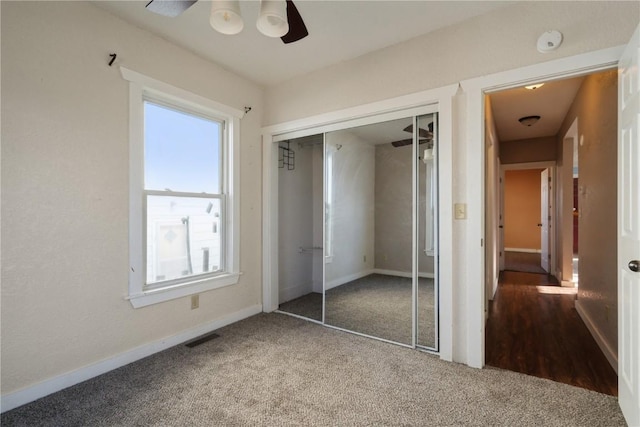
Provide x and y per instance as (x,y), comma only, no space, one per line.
(540,322)
(527,219)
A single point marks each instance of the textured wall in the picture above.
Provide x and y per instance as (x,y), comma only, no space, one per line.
(65,189)
(528,150)
(596,108)
(498,41)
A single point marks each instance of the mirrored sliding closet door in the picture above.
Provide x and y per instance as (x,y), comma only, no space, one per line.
(358,231)
(368,207)
(378,227)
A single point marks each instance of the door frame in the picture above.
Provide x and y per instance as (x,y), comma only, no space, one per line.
(474,145)
(389,109)
(551,165)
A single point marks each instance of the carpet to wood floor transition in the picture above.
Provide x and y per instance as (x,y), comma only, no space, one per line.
(276,370)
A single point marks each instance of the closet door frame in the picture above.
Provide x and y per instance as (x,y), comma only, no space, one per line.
(437,100)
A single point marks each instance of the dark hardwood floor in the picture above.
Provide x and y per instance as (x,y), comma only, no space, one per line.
(533,328)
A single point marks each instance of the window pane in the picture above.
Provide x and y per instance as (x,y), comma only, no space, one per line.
(184,237)
(181,151)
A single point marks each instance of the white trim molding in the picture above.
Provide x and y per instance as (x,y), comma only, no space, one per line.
(474,146)
(141,87)
(437,100)
(21,397)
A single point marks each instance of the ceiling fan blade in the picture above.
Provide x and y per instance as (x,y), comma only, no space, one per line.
(170,8)
(297,29)
(404,142)
(423,133)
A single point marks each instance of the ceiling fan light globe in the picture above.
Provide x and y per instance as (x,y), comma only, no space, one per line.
(225,16)
(272,21)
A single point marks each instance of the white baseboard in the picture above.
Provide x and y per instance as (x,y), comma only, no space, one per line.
(348,278)
(294,292)
(401,273)
(609,353)
(351,277)
(21,397)
(525,250)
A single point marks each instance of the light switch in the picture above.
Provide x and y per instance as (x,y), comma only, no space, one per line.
(460,211)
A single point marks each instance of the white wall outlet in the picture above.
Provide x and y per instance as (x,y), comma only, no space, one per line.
(460,211)
(195,301)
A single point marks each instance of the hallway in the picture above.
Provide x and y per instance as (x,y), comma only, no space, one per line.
(533,328)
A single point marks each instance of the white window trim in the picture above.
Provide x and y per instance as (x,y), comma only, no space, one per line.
(140,86)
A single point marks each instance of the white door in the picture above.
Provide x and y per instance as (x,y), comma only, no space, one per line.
(545,218)
(629,231)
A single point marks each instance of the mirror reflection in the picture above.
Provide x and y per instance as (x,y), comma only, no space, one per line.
(369,231)
(427,315)
(300,195)
(352,228)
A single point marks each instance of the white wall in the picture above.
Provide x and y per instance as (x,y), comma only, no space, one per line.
(500,41)
(353,211)
(65,189)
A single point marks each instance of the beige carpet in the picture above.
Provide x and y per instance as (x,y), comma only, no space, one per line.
(378,305)
(276,370)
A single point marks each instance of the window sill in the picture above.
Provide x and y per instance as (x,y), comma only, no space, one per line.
(155,296)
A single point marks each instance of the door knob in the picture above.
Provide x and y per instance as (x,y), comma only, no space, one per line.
(634,265)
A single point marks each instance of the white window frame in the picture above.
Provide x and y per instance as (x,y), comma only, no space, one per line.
(143,88)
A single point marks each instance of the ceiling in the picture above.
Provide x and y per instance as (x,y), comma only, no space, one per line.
(338,31)
(342,30)
(551,102)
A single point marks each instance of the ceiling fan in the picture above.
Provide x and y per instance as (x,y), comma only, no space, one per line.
(424,136)
(278,18)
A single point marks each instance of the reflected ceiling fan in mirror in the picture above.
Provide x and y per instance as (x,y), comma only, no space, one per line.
(424,136)
(277,18)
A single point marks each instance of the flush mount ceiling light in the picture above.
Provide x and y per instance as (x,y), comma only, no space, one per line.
(549,41)
(534,87)
(529,120)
